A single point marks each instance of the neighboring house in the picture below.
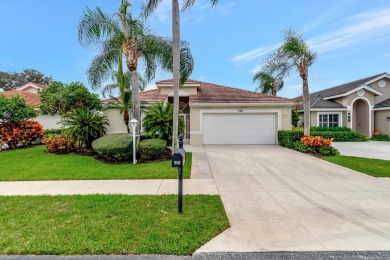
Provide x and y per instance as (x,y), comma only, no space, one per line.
(362,105)
(217,114)
(29,92)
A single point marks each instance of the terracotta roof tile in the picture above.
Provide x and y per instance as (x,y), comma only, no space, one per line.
(152,95)
(31,98)
(213,93)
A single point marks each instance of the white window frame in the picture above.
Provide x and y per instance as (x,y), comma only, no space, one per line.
(340,114)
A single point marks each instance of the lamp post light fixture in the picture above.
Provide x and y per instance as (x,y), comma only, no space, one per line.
(133,124)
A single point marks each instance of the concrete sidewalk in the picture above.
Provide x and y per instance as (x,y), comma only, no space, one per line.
(130,187)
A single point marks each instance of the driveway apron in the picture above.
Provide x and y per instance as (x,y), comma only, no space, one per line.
(281,200)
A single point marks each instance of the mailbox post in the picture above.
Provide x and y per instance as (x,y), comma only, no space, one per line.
(178,159)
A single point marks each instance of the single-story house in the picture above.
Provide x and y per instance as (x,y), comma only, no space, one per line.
(216,114)
(29,92)
(362,105)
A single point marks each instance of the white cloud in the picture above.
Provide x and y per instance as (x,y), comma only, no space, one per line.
(7,63)
(253,54)
(362,27)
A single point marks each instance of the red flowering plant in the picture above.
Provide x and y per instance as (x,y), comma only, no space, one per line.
(316,141)
(20,134)
(57,143)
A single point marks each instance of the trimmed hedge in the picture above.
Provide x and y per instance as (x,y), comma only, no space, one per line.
(114,147)
(318,150)
(381,137)
(52,132)
(330,129)
(286,138)
(150,149)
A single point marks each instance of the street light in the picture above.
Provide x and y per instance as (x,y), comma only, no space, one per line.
(133,124)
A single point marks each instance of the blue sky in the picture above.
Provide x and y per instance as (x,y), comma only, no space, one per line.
(351,37)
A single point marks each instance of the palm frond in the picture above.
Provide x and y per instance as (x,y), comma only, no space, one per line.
(188,3)
(149,7)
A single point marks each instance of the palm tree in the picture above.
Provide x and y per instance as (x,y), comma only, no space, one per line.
(267,83)
(296,52)
(150,6)
(121,34)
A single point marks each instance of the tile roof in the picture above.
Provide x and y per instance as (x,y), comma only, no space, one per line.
(385,103)
(213,93)
(31,98)
(152,96)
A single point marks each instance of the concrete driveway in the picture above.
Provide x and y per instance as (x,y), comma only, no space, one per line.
(370,149)
(281,200)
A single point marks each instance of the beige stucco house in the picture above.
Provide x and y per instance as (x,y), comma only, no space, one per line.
(362,105)
(216,114)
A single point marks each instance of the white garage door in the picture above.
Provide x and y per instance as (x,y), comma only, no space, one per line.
(239,129)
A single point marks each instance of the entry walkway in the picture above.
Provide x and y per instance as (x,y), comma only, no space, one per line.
(370,149)
(281,200)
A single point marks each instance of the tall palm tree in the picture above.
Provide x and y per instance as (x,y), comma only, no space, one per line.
(149,7)
(121,34)
(299,56)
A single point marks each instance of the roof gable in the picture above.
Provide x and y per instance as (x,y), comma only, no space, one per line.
(32,99)
(31,84)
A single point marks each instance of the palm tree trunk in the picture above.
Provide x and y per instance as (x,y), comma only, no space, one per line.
(176,69)
(135,99)
(306,105)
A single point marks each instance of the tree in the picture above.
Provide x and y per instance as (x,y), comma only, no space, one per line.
(298,55)
(158,121)
(60,98)
(15,109)
(121,34)
(13,80)
(150,6)
(84,126)
(271,74)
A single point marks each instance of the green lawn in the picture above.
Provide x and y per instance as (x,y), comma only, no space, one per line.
(108,224)
(373,167)
(34,164)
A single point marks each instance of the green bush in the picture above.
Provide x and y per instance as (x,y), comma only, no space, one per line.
(330,129)
(150,149)
(342,136)
(286,138)
(52,132)
(115,147)
(381,138)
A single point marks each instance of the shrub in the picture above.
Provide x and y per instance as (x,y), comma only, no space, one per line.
(381,138)
(84,126)
(316,141)
(15,109)
(287,138)
(330,129)
(158,122)
(57,143)
(150,149)
(52,132)
(20,134)
(115,147)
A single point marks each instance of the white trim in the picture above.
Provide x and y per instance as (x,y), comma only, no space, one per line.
(325,109)
(381,108)
(370,108)
(340,123)
(278,112)
(385,75)
(30,84)
(375,91)
(192,104)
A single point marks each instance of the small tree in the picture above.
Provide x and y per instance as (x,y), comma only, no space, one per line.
(84,126)
(15,109)
(60,98)
(15,128)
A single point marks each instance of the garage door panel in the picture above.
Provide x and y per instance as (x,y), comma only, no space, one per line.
(239,128)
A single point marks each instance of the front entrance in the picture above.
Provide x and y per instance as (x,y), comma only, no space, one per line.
(361,117)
